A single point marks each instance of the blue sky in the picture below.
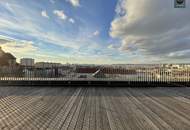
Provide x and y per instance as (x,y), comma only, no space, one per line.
(92,31)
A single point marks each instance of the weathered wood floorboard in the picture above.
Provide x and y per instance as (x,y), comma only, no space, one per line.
(83,108)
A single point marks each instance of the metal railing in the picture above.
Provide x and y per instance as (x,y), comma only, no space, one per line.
(147,73)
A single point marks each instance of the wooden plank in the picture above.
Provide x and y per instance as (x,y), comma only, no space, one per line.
(80,120)
(86,122)
(93,111)
(74,120)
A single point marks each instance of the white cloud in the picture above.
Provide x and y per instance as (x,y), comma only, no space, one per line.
(44,14)
(30,28)
(71,20)
(154,28)
(96,33)
(8,6)
(111,46)
(75,3)
(19,47)
(52,1)
(60,14)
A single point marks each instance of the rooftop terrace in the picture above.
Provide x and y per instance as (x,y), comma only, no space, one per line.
(102,108)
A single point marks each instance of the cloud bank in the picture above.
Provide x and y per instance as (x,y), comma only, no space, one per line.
(152,27)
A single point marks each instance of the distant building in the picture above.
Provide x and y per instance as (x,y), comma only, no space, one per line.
(7,59)
(28,62)
(86,70)
(47,65)
(106,70)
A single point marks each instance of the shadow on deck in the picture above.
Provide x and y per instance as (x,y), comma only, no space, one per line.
(89,83)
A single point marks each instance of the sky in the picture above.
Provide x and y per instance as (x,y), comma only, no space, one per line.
(96,31)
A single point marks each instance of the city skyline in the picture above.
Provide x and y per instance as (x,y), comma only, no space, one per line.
(96,32)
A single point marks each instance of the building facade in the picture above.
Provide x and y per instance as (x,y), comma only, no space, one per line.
(28,62)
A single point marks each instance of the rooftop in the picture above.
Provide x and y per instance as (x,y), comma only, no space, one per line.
(5,55)
(9,56)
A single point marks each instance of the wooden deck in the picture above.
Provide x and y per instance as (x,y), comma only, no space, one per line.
(94,108)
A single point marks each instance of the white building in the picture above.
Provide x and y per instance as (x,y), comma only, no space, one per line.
(29,62)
